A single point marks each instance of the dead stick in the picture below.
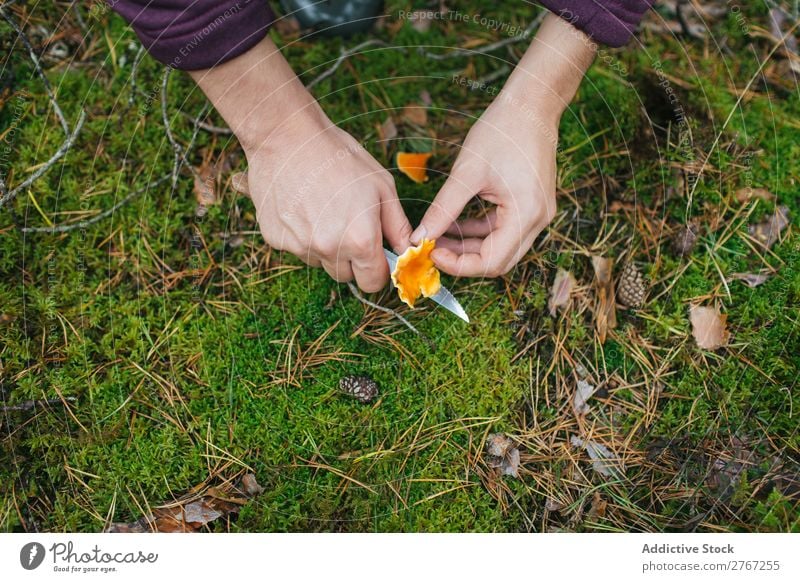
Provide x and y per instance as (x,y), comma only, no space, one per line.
(29,404)
(354,290)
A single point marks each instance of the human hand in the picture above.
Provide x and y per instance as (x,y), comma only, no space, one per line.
(509,160)
(322,197)
(318,193)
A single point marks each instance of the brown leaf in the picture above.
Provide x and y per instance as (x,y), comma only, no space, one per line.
(602,458)
(769,231)
(387,130)
(605,311)
(746,194)
(599,506)
(553,505)
(708,327)
(204,191)
(502,454)
(192,514)
(207,178)
(421,20)
(561,290)
(415,115)
(250,486)
(750,279)
(583,392)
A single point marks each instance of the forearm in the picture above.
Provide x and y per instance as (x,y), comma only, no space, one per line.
(259,96)
(552,68)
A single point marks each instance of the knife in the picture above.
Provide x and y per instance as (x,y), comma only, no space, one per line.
(443,297)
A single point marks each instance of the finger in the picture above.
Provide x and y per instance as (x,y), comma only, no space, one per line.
(474,227)
(496,254)
(373,277)
(394,223)
(340,271)
(444,209)
(459,245)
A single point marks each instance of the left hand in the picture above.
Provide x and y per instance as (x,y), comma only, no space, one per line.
(509,160)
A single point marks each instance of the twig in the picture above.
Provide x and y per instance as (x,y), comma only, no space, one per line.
(342,58)
(11,194)
(134,71)
(7,195)
(354,290)
(207,126)
(98,217)
(460,52)
(27,44)
(29,404)
(685,26)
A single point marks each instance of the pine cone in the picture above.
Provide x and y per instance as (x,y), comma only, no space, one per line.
(363,388)
(632,287)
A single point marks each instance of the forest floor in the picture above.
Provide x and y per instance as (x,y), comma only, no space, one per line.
(159,356)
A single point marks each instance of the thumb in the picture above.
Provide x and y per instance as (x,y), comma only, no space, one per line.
(445,209)
(394,223)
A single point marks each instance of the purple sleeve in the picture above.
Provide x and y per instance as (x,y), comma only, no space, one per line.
(610,22)
(196,34)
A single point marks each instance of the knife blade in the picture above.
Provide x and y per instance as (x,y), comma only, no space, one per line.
(443,297)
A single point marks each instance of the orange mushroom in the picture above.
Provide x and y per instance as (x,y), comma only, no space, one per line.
(413,165)
(415,274)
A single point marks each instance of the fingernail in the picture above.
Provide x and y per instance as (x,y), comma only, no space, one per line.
(419,234)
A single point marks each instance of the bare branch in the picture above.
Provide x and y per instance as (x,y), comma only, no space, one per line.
(354,290)
(342,58)
(8,195)
(97,218)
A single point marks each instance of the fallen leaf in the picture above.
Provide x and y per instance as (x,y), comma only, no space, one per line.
(553,505)
(502,454)
(561,290)
(421,20)
(192,515)
(769,231)
(599,506)
(387,130)
(583,392)
(207,178)
(746,194)
(708,327)
(605,312)
(204,191)
(750,279)
(415,114)
(602,458)
(250,486)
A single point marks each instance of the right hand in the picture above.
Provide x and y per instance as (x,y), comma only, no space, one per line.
(322,197)
(318,193)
